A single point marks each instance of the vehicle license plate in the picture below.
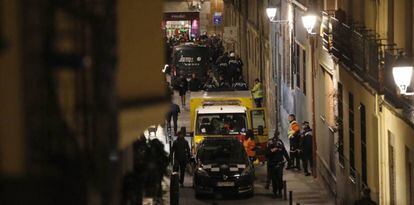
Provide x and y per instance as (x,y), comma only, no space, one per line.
(225,184)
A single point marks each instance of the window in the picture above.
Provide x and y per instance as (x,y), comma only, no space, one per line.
(296,64)
(351,136)
(219,124)
(409,27)
(390,30)
(410,180)
(391,164)
(363,143)
(340,122)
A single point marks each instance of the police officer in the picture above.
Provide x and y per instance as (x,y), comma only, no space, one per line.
(306,145)
(234,68)
(276,153)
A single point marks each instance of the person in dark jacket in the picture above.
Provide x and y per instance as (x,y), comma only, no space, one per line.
(141,154)
(305,146)
(365,198)
(182,89)
(240,84)
(234,68)
(195,83)
(173,114)
(180,152)
(276,154)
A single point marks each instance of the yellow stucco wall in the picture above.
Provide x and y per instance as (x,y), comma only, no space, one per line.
(402,137)
(361,96)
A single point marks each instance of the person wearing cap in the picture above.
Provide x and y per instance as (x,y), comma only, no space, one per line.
(306,147)
(365,198)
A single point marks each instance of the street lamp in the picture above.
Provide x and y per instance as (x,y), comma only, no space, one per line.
(402,72)
(271,14)
(309,21)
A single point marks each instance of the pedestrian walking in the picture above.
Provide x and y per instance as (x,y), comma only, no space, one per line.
(306,147)
(257,92)
(182,89)
(157,169)
(276,155)
(173,114)
(365,198)
(180,153)
(250,145)
(294,137)
(194,84)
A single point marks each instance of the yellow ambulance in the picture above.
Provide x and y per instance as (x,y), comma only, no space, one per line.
(227,114)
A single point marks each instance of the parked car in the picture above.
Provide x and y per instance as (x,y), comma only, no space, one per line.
(222,165)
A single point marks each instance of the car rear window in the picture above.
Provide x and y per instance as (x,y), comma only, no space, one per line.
(218,151)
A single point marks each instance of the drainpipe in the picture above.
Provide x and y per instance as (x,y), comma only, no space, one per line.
(312,44)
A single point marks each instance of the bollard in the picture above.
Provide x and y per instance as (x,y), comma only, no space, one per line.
(290,197)
(174,188)
(284,190)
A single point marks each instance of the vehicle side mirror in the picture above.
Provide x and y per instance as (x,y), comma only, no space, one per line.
(260,130)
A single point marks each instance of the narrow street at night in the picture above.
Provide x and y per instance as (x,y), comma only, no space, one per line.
(207,102)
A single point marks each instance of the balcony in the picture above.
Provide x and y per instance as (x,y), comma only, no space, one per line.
(361,52)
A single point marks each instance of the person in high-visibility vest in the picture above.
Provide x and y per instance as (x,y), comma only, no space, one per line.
(294,137)
(250,145)
(257,92)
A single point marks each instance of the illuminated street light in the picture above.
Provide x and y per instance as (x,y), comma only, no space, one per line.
(309,21)
(271,14)
(402,72)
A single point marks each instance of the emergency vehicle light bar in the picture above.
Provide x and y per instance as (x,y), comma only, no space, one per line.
(221,102)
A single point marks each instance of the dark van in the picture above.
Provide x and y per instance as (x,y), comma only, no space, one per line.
(189,59)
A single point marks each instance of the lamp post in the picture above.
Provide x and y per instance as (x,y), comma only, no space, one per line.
(271,14)
(402,72)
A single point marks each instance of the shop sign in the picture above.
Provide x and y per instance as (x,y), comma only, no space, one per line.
(217,18)
(181,16)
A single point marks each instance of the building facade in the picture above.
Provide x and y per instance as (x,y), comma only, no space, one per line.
(340,80)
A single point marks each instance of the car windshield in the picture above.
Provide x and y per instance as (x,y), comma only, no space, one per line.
(221,124)
(216,151)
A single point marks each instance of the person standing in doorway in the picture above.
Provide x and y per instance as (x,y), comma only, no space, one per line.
(294,136)
(257,92)
(306,145)
(180,153)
